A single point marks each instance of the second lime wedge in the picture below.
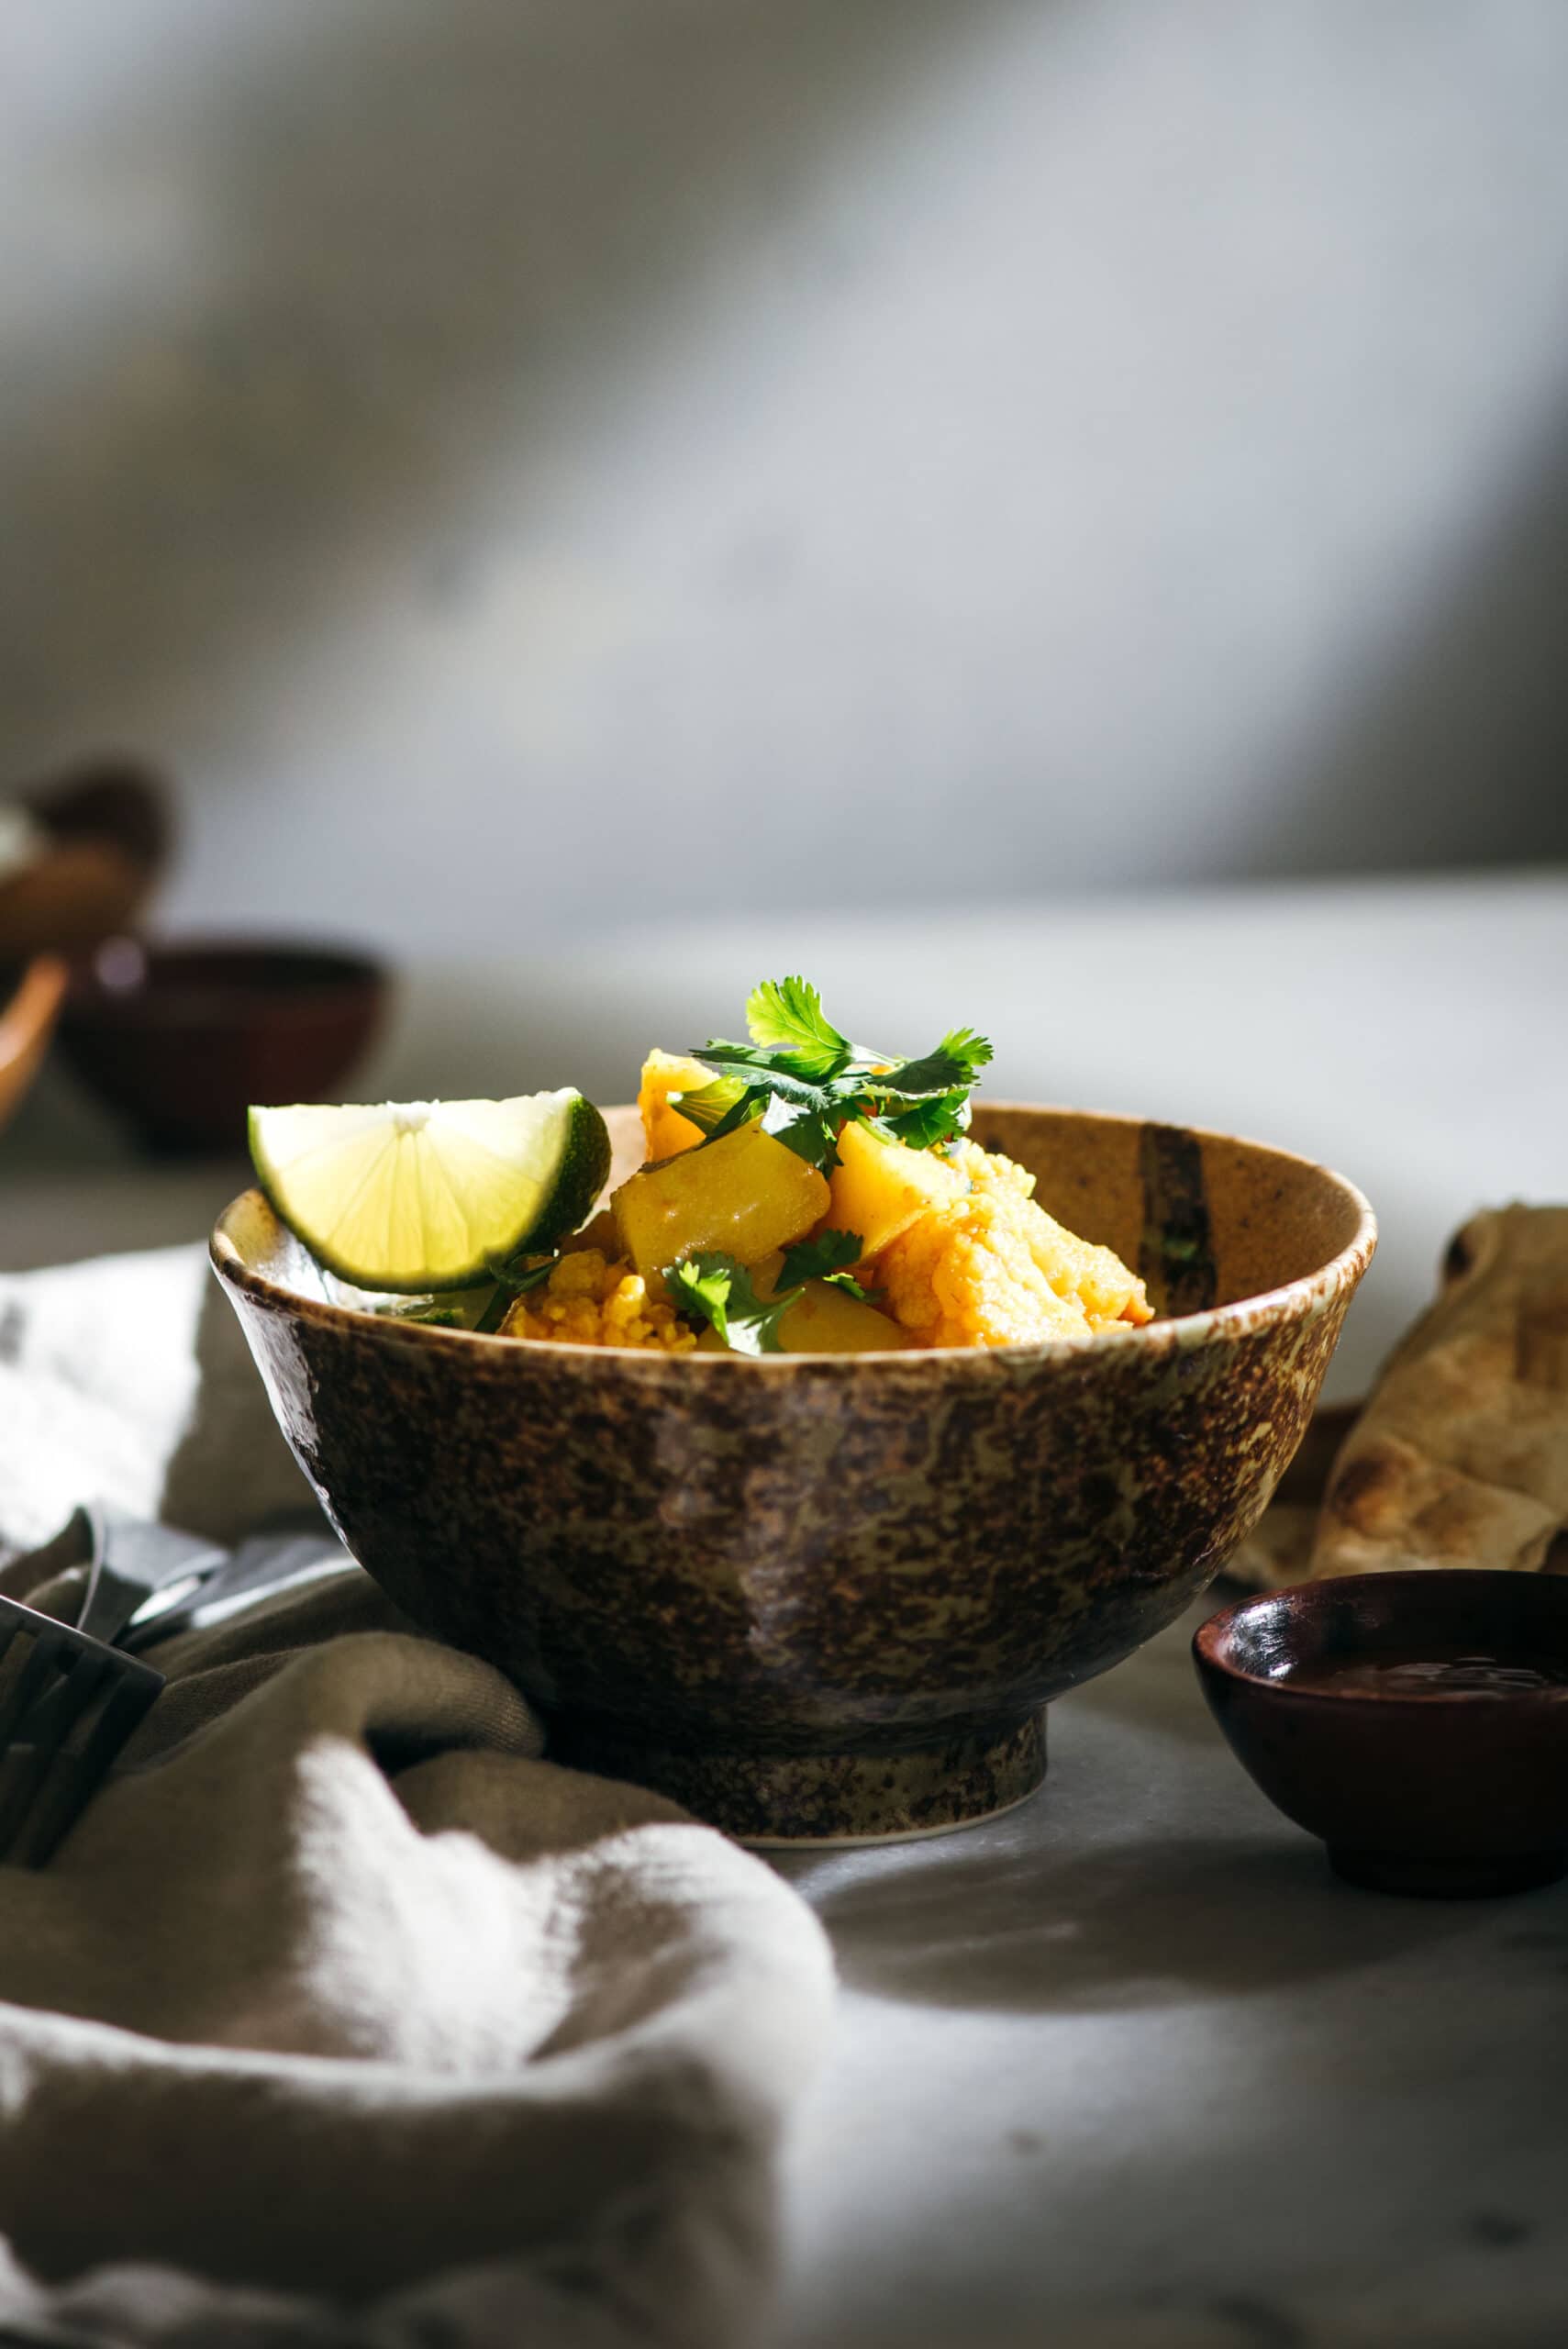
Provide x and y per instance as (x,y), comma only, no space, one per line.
(418,1195)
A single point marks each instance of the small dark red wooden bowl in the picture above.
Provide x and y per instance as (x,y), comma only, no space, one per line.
(179,1040)
(1447,1795)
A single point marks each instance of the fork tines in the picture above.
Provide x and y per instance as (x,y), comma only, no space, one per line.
(67,1706)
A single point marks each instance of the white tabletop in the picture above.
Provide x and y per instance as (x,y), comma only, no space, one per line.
(1131,2068)
(1128,2066)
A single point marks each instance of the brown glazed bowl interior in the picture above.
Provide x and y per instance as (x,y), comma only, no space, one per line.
(1444,1794)
(29,1007)
(179,1040)
(828,1596)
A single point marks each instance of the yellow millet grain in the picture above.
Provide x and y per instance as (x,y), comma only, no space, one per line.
(589,1301)
(995,1270)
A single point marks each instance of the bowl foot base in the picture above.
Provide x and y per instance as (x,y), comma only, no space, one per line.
(1463,1879)
(777,1799)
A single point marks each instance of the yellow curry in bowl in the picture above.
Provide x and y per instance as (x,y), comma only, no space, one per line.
(892,1247)
(797,1194)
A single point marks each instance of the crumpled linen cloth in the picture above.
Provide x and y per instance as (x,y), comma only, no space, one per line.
(343,2017)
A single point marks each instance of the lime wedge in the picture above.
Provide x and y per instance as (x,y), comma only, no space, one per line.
(415,1195)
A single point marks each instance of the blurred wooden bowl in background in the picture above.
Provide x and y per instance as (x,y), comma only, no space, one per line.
(105,831)
(179,1038)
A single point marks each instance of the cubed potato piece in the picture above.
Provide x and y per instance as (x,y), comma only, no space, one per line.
(878,1188)
(827,1320)
(664,1128)
(745,1195)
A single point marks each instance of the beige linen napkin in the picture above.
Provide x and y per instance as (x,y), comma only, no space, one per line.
(342,2017)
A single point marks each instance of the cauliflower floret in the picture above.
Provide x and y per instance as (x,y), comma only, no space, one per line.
(988,1170)
(590,1301)
(994,1269)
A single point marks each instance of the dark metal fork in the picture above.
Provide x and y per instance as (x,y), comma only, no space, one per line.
(71,1695)
(68,1704)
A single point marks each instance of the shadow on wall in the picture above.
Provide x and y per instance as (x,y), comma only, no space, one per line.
(383,242)
(1465,729)
(586,158)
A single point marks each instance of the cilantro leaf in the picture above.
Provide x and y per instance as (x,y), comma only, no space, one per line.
(712,1287)
(805,1116)
(422,1310)
(814,1259)
(953,1066)
(512,1280)
(811,1130)
(518,1277)
(866,1112)
(710,1106)
(827,1258)
(786,1015)
(926,1125)
(851,1287)
(752,1101)
(773,1071)
(700,1287)
(804,1078)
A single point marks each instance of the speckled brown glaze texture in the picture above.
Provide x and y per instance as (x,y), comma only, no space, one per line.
(756,1584)
(827,1797)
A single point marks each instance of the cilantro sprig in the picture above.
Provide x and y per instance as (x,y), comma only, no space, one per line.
(819,1259)
(803,1078)
(513,1280)
(827,1258)
(786,1015)
(711,1287)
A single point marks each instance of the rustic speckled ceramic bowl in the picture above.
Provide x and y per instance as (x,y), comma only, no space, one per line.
(826,1596)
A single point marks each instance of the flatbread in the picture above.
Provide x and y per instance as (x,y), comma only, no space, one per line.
(1460,1456)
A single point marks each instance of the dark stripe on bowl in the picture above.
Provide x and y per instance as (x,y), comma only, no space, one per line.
(1175,1255)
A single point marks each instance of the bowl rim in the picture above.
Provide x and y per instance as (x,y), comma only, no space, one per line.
(1173,1334)
(1210,1640)
(346,973)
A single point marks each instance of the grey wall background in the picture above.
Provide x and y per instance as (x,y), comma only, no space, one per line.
(520,460)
